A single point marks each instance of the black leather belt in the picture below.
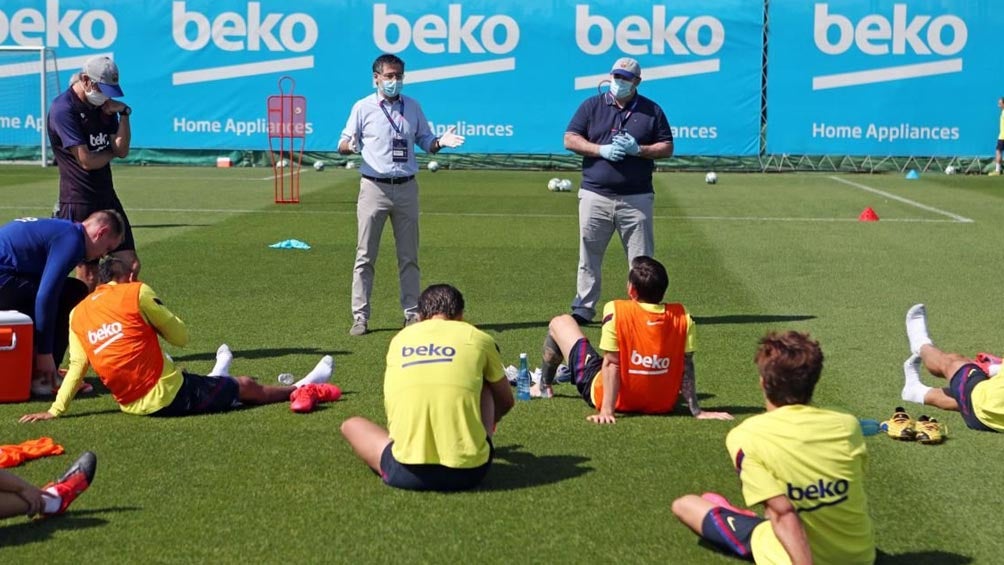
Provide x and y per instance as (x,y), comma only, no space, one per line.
(389,180)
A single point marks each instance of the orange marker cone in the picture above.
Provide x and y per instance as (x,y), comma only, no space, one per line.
(868,215)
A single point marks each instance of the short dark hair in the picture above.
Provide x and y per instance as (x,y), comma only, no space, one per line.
(790,364)
(112,269)
(110,218)
(440,299)
(649,279)
(387,59)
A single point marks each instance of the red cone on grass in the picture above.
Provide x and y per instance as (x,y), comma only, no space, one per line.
(868,215)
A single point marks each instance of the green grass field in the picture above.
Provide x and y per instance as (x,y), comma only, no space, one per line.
(753,253)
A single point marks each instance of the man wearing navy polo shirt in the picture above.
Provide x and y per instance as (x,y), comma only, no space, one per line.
(88,128)
(385,127)
(619,135)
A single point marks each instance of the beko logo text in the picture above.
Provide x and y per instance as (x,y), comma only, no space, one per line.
(700,38)
(432,34)
(96,29)
(634,35)
(875,35)
(231,31)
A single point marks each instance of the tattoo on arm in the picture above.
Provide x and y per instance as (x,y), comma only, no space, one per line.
(689,386)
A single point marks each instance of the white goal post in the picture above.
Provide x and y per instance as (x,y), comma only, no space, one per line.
(29,80)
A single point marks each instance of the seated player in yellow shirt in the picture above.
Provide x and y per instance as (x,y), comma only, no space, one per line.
(117,330)
(444,391)
(806,465)
(971,391)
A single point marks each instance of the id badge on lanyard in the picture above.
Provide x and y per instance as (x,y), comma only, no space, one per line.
(398,145)
(399,150)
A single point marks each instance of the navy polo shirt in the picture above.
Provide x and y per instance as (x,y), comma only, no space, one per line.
(73,122)
(598,119)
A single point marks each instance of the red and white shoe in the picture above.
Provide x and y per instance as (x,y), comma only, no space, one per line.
(74,481)
(719,500)
(305,398)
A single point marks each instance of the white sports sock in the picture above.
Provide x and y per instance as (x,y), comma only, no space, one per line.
(916,328)
(224,357)
(913,389)
(321,373)
(51,501)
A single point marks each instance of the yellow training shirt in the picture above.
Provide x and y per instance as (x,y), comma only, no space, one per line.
(169,326)
(988,403)
(816,458)
(1001,134)
(432,392)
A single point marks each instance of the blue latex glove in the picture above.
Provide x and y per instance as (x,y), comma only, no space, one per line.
(628,143)
(612,152)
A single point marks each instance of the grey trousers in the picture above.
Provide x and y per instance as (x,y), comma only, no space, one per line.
(599,217)
(377,202)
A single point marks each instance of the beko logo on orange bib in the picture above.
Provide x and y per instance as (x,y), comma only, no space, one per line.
(650,362)
(104,332)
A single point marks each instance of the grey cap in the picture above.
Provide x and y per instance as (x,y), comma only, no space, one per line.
(626,67)
(105,73)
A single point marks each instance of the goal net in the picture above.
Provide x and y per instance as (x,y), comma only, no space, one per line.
(29,80)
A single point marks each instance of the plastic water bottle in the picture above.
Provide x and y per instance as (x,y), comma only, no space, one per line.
(286,379)
(869,427)
(523,379)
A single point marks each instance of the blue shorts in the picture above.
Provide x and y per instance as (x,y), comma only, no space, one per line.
(202,395)
(584,363)
(730,530)
(431,477)
(961,389)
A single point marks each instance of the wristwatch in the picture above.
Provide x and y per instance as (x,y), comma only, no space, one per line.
(125,111)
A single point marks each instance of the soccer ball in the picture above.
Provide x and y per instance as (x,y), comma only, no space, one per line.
(711,178)
(564,185)
(433,166)
(950,170)
(350,164)
(554,185)
(318,165)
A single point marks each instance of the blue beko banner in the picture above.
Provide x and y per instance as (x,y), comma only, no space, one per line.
(883,77)
(508,75)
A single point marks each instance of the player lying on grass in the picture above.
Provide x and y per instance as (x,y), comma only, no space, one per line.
(116,330)
(970,391)
(444,391)
(648,350)
(806,465)
(20,498)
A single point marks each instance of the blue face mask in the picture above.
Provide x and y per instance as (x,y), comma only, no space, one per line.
(391,88)
(621,88)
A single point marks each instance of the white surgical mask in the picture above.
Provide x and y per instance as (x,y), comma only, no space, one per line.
(391,88)
(95,97)
(621,88)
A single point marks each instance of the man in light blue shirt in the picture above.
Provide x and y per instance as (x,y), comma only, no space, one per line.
(385,127)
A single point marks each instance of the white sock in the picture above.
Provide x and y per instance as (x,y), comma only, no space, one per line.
(224,357)
(51,501)
(321,373)
(913,389)
(916,328)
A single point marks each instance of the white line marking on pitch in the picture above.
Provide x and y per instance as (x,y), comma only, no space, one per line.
(507,216)
(913,203)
